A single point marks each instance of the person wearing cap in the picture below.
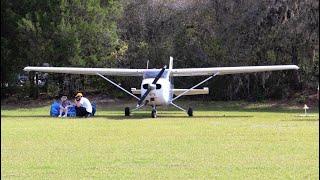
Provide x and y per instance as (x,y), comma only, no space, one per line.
(83,106)
(64,105)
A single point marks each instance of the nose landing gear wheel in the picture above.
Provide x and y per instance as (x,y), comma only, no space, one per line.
(154,113)
(127,111)
(190,112)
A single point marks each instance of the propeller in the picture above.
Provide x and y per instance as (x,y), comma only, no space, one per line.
(152,86)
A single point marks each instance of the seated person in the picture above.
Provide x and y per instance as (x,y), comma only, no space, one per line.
(83,106)
(64,105)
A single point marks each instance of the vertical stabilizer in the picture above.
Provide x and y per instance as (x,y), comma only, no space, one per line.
(171,62)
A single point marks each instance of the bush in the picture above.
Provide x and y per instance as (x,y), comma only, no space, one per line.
(53,90)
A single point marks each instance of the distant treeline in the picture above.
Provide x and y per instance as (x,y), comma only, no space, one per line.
(127,34)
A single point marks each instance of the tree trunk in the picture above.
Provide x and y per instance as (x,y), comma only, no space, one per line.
(33,91)
(248,86)
(60,80)
(295,75)
(36,88)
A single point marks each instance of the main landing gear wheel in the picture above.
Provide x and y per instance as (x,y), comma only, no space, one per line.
(190,112)
(127,111)
(154,113)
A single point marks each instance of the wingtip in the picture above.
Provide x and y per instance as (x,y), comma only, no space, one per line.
(26,68)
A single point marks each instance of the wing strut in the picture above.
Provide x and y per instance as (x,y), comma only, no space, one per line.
(118,86)
(178,107)
(195,86)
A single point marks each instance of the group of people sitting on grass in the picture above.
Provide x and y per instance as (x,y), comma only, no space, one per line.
(82,105)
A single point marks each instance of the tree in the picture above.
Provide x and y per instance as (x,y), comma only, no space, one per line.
(61,33)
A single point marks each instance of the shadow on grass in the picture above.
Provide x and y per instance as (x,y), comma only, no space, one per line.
(167,115)
(132,117)
(35,116)
(148,116)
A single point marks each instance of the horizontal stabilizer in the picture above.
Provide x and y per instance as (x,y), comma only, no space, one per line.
(177,92)
(135,91)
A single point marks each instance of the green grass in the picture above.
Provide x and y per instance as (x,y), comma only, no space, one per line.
(222,141)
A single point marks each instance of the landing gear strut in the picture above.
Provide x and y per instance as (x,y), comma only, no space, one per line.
(190,111)
(127,111)
(154,112)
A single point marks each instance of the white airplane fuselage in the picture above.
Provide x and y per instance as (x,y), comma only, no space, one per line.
(161,93)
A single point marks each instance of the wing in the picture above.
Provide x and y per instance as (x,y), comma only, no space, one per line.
(88,71)
(229,70)
(174,72)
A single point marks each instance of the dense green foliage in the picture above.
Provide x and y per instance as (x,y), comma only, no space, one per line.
(223,141)
(106,33)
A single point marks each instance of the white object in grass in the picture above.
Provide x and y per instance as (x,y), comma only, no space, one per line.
(305,107)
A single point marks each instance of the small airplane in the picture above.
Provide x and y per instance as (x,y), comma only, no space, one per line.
(157,87)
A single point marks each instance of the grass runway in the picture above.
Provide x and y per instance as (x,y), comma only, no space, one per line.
(220,142)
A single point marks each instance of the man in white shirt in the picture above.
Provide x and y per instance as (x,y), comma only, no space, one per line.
(83,106)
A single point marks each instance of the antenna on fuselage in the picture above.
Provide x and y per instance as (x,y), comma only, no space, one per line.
(171,62)
(148,64)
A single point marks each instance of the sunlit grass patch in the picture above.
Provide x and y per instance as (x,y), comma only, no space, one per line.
(217,143)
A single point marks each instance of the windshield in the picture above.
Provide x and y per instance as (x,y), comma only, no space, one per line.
(154,73)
